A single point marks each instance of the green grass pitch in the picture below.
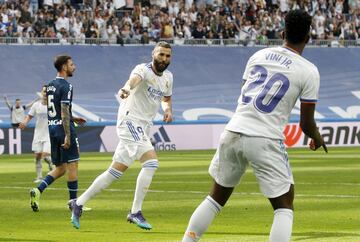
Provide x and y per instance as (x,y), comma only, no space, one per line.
(327,201)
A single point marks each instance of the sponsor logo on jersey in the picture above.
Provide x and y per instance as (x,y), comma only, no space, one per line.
(54,122)
(155,94)
(162,141)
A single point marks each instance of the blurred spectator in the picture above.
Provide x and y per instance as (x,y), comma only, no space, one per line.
(62,22)
(17,111)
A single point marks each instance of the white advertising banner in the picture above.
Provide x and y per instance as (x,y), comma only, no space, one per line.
(206,136)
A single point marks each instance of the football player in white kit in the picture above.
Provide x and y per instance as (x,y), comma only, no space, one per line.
(149,87)
(274,79)
(41,140)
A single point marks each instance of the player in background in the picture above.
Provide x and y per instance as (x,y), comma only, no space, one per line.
(63,138)
(149,87)
(274,79)
(41,140)
(17,111)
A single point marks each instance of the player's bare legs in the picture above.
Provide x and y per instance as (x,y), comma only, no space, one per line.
(149,163)
(283,216)
(221,194)
(284,201)
(59,171)
(205,213)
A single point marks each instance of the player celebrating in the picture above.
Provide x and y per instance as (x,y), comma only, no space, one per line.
(17,111)
(64,143)
(149,86)
(41,140)
(274,79)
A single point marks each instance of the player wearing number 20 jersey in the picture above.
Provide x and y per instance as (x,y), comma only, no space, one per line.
(275,79)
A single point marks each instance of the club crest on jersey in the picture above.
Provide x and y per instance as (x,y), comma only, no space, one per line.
(152,81)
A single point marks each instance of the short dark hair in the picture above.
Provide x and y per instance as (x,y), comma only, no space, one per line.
(17,99)
(163,44)
(297,26)
(61,60)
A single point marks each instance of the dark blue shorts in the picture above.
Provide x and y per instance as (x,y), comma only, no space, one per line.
(59,155)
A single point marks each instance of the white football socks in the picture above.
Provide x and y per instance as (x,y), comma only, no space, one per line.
(47,159)
(101,182)
(143,183)
(201,219)
(282,225)
(38,167)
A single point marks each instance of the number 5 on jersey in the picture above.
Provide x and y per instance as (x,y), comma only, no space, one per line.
(51,106)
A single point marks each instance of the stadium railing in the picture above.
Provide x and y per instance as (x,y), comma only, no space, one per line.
(198,42)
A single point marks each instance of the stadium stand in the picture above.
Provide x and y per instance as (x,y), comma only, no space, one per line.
(246,22)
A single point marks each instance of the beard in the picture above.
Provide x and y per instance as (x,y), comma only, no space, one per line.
(70,73)
(160,66)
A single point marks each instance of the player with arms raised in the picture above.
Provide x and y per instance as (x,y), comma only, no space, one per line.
(148,88)
(63,138)
(274,80)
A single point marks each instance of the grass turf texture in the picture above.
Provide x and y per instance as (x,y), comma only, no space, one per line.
(327,201)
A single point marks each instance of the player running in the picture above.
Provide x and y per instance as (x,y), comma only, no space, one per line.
(274,80)
(41,140)
(149,86)
(63,138)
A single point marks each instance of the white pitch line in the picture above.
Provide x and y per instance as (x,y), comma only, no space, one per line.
(242,183)
(196,192)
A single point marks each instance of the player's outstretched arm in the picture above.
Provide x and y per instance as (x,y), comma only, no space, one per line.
(7,102)
(308,125)
(166,105)
(65,117)
(24,123)
(31,103)
(124,92)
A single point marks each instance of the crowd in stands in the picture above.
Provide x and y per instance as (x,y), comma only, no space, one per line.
(151,20)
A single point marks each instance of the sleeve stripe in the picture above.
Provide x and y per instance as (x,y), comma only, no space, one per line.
(138,74)
(308,100)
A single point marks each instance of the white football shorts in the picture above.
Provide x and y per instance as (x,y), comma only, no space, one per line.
(41,146)
(267,157)
(134,141)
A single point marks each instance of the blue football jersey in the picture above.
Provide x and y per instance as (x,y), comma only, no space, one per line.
(58,91)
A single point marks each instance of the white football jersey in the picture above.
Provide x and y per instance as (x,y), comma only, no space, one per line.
(275,79)
(17,114)
(39,111)
(145,99)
